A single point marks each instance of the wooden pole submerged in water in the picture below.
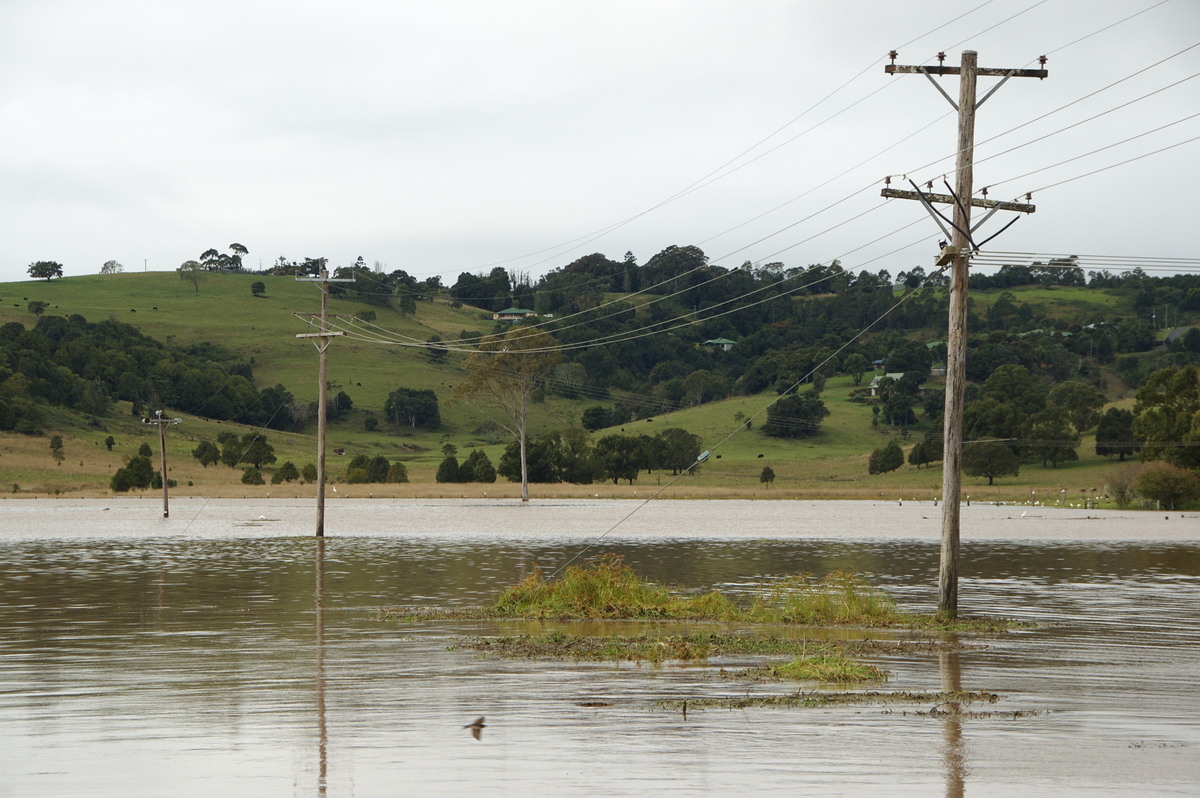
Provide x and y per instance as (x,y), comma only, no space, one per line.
(958,257)
(161,422)
(322,345)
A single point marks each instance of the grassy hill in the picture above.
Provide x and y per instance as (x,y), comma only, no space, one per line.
(263,329)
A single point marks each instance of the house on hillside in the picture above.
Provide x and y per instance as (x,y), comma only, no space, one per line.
(513,315)
(724,344)
(876,383)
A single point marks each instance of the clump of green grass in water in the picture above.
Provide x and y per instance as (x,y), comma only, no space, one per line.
(828,666)
(839,599)
(606,588)
(609,589)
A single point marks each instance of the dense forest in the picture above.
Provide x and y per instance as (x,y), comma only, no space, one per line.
(85,366)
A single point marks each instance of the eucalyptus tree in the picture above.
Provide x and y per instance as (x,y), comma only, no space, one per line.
(503,376)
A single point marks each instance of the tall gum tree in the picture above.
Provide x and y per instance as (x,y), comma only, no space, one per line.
(502,377)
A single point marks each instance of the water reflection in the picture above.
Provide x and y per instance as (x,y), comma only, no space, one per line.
(954,754)
(154,663)
(319,615)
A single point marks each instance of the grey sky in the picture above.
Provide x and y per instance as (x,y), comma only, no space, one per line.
(451,136)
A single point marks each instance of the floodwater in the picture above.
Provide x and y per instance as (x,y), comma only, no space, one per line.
(224,651)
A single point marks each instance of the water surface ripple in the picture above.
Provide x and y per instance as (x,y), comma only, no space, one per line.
(215,653)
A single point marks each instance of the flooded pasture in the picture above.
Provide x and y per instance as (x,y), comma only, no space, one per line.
(225,651)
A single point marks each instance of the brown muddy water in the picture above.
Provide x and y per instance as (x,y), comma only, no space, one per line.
(216,653)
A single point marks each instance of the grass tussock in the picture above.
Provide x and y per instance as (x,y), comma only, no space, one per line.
(831,665)
(839,599)
(606,589)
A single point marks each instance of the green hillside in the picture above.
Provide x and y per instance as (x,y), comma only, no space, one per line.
(263,330)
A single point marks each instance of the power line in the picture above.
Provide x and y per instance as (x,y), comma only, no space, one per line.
(1085,121)
(676,323)
(1115,165)
(723,170)
(1064,107)
(1065,261)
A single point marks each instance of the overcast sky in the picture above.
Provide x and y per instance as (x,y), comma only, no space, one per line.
(451,136)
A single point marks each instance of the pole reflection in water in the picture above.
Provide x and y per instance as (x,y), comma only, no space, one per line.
(319,614)
(954,754)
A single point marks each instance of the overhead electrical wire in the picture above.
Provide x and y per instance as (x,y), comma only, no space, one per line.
(1115,165)
(590,312)
(1104,262)
(589,316)
(998,24)
(1098,31)
(1061,108)
(723,170)
(1091,119)
(701,183)
(625,336)
(742,424)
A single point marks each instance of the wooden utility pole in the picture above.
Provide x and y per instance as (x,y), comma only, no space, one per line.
(957,255)
(161,422)
(322,345)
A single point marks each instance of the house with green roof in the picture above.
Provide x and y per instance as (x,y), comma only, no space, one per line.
(513,315)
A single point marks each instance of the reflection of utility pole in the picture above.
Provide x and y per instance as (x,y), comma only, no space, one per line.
(322,728)
(322,347)
(957,255)
(161,421)
(954,753)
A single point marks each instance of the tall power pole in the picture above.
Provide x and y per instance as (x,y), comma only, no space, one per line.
(957,255)
(322,345)
(161,422)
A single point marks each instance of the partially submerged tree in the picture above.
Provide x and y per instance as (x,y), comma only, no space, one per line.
(502,378)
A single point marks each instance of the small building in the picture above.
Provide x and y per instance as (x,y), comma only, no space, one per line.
(513,315)
(724,344)
(891,375)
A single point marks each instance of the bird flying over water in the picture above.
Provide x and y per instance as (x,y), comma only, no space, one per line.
(476,727)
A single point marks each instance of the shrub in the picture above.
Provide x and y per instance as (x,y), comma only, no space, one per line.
(1169,485)
(886,458)
(448,471)
(605,589)
(841,598)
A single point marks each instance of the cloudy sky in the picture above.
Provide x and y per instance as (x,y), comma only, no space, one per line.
(451,136)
